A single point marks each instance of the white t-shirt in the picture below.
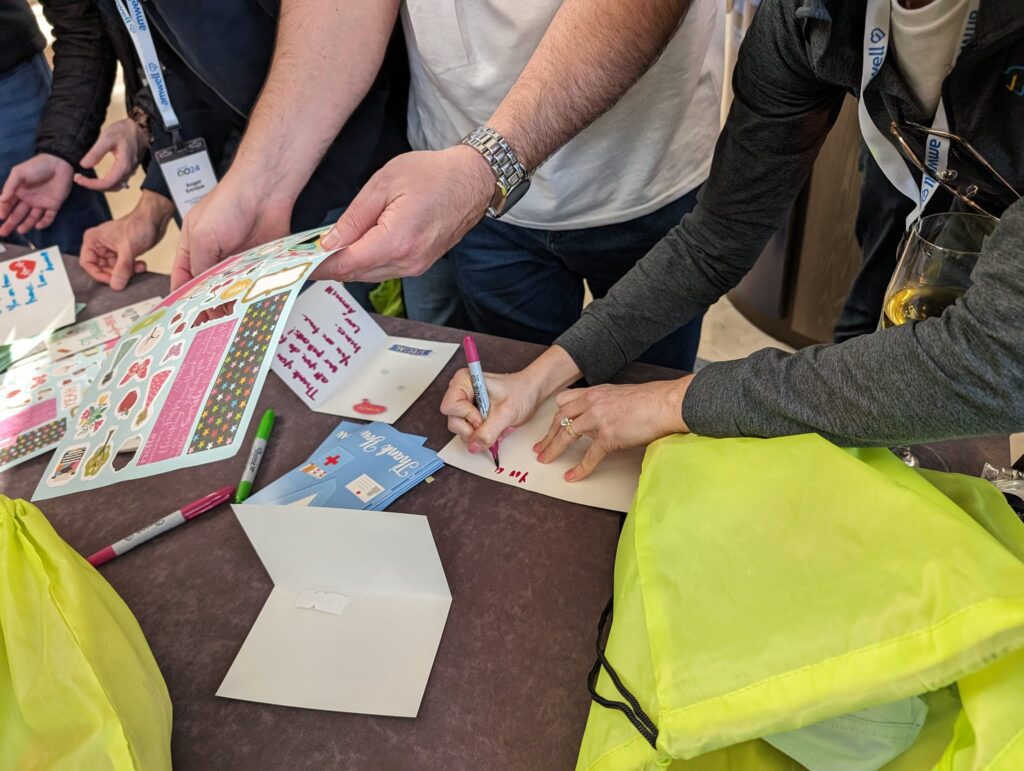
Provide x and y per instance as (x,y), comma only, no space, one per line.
(651,148)
(924,41)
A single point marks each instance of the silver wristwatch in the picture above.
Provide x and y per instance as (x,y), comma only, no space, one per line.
(511,178)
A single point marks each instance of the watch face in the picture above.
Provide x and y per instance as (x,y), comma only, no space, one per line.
(513,197)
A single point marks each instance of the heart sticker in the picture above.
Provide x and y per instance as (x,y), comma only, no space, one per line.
(22,268)
(366,407)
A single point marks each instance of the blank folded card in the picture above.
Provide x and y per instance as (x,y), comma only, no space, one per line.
(356,614)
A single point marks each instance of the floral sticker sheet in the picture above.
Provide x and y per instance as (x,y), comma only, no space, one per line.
(39,398)
(179,388)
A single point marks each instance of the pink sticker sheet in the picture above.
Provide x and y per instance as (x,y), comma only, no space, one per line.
(40,398)
(197,360)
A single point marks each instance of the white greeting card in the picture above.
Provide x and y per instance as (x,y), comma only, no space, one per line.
(356,615)
(339,361)
(35,295)
(612,485)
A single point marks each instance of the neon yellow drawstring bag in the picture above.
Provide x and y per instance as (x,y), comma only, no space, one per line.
(79,688)
(766,585)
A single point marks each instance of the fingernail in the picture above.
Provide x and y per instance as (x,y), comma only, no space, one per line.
(536,447)
(117,283)
(569,476)
(330,240)
(474,447)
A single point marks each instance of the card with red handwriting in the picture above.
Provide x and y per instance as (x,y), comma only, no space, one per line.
(180,385)
(35,295)
(339,361)
(611,486)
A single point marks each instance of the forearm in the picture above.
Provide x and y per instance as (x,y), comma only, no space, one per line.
(957,375)
(591,54)
(325,59)
(779,118)
(155,209)
(83,77)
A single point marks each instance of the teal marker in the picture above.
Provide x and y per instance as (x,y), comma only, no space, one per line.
(259,446)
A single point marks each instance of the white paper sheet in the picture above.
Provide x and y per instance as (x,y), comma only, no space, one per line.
(611,486)
(339,361)
(35,295)
(356,615)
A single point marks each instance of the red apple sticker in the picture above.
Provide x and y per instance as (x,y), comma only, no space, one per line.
(128,402)
(366,407)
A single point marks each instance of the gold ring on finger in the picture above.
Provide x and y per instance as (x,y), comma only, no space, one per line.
(566,423)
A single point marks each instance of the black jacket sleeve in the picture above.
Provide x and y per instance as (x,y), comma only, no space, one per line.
(83,76)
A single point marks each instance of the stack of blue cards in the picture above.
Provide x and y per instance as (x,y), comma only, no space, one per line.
(356,467)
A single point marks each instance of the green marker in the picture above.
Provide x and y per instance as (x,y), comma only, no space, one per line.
(259,446)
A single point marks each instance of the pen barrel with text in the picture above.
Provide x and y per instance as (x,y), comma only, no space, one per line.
(476,377)
(129,542)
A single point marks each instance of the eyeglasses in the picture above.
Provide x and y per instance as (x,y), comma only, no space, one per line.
(968,174)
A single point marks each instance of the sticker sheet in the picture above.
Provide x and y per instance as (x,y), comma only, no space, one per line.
(40,399)
(180,386)
(339,361)
(96,331)
(35,295)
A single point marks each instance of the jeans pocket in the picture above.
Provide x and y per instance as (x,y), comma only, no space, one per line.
(434,31)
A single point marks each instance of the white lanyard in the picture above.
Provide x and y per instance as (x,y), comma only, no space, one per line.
(134,19)
(889,159)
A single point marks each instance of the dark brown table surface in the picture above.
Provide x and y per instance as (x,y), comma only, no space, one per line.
(529,576)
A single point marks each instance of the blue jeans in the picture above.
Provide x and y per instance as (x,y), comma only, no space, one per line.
(527,284)
(23,94)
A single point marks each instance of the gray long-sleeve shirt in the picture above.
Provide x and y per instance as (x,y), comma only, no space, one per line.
(960,374)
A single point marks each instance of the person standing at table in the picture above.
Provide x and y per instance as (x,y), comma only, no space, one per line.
(955,375)
(39,205)
(515,82)
(214,58)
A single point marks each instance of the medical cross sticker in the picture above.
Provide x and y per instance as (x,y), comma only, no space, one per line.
(332,460)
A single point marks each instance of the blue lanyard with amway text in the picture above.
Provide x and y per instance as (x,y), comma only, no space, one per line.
(134,19)
(892,164)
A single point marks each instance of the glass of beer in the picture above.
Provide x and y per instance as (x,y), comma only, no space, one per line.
(935,264)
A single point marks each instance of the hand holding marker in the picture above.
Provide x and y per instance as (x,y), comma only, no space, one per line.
(476,375)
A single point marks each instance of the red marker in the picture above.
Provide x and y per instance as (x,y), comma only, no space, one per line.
(171,521)
(476,376)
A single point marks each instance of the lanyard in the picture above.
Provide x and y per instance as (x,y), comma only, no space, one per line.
(889,159)
(134,19)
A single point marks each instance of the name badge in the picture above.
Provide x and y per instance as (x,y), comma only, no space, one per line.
(188,171)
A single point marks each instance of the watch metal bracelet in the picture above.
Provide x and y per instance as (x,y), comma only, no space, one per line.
(511,178)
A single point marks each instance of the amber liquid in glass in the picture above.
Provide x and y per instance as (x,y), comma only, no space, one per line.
(917,303)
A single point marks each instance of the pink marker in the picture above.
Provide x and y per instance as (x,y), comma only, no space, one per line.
(476,376)
(162,525)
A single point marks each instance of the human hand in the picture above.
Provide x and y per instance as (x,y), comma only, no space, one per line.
(126,142)
(410,213)
(229,219)
(615,417)
(110,251)
(514,398)
(34,193)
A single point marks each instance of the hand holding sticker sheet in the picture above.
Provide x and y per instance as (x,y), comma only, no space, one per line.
(35,295)
(611,486)
(336,358)
(180,386)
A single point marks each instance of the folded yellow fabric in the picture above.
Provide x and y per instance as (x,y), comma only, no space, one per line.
(79,688)
(766,585)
